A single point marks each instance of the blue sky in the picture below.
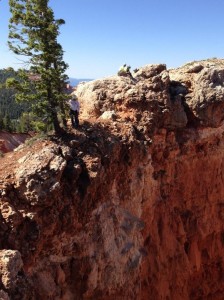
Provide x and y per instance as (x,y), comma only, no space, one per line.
(101,35)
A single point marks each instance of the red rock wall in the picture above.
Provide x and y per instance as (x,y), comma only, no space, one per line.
(184,239)
(145,222)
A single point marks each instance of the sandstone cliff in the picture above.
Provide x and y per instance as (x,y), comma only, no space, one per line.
(131,205)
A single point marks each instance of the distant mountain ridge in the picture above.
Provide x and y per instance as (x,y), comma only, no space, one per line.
(76,81)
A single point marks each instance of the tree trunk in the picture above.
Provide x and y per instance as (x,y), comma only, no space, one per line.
(62,108)
(56,124)
(53,111)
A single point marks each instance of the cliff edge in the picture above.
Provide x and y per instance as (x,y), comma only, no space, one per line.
(130,205)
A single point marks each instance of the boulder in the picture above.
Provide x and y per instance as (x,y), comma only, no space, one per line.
(204,95)
(39,173)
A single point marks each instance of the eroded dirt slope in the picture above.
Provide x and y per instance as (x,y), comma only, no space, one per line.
(9,141)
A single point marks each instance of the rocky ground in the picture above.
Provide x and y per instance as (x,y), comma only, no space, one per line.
(129,206)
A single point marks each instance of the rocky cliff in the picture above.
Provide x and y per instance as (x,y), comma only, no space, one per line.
(131,205)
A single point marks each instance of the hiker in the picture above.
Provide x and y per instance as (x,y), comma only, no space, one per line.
(125,71)
(74,111)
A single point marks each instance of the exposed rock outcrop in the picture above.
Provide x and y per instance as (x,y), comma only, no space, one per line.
(130,206)
(144,100)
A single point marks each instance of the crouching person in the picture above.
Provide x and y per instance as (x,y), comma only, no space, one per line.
(125,71)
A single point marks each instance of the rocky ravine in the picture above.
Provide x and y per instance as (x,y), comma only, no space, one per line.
(131,206)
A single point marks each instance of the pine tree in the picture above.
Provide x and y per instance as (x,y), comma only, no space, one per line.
(7,123)
(25,122)
(33,33)
(1,122)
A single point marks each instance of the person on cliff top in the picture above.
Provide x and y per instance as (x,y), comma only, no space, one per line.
(125,71)
(74,111)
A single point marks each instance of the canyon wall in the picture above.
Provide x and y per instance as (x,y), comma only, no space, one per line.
(130,205)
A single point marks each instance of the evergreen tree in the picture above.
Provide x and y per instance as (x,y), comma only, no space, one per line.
(33,33)
(25,122)
(8,105)
(1,122)
(7,123)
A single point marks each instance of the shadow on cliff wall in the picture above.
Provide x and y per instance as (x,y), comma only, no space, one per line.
(179,91)
(91,149)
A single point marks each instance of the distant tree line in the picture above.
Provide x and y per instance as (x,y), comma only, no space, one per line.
(13,115)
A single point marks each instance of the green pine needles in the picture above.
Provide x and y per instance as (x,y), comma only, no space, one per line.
(33,33)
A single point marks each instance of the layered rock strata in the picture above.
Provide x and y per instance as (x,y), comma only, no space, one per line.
(10,141)
(130,205)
